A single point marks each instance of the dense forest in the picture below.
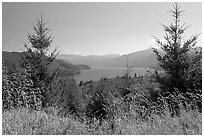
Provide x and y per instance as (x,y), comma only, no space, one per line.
(40,96)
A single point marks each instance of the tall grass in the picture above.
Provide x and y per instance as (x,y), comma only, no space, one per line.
(26,122)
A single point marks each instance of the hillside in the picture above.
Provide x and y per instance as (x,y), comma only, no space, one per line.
(140,59)
(91,60)
(11,61)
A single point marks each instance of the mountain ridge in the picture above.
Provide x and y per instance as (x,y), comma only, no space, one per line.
(143,59)
(11,62)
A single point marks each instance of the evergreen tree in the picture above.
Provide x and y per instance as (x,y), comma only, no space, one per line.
(36,59)
(175,59)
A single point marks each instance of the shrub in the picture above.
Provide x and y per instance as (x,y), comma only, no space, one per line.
(65,94)
(99,102)
(18,91)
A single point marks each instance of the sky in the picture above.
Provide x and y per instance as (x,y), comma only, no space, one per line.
(96,28)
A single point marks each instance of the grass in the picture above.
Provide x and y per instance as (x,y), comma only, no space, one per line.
(25,122)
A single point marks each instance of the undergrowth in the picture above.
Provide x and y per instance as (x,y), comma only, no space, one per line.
(47,122)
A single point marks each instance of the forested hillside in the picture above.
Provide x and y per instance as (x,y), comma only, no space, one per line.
(11,61)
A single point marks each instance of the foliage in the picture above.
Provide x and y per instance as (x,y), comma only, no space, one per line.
(98,100)
(25,122)
(195,70)
(64,94)
(98,107)
(18,91)
(181,68)
(107,112)
(36,61)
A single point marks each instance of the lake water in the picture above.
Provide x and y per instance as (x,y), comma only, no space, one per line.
(98,73)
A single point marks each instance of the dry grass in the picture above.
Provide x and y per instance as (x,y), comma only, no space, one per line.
(25,122)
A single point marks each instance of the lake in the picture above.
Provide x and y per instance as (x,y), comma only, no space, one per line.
(109,72)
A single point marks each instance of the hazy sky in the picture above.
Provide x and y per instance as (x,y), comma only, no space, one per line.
(95,28)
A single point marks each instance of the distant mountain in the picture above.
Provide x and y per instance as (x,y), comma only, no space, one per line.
(91,60)
(140,59)
(11,61)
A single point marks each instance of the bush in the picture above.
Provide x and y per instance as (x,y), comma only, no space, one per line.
(99,102)
(18,91)
(65,94)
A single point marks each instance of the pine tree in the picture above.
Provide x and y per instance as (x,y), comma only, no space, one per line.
(176,54)
(36,59)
